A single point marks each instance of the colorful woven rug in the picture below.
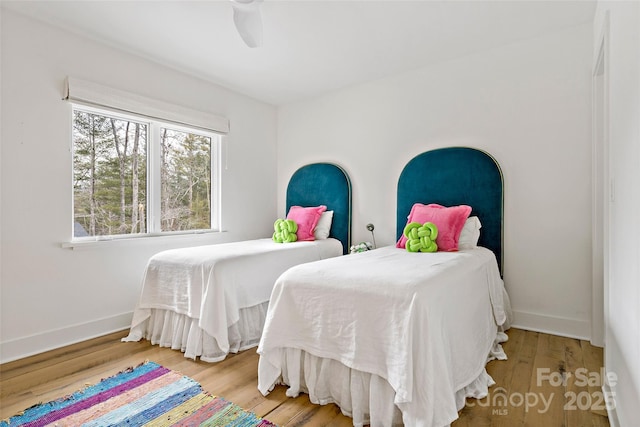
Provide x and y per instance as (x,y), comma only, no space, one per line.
(149,395)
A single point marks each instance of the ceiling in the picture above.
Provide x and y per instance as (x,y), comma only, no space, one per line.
(310,47)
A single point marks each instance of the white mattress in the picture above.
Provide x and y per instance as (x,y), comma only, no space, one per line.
(414,330)
(195,298)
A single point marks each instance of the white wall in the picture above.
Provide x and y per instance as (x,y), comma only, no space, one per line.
(622,321)
(53,296)
(528,104)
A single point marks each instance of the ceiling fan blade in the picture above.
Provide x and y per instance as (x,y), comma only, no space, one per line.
(246,16)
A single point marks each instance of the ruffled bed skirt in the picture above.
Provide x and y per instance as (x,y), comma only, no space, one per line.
(180,332)
(368,399)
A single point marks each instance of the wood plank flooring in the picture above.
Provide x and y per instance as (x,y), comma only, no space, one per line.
(536,386)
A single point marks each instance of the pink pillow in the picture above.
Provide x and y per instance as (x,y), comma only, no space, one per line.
(448,220)
(307,219)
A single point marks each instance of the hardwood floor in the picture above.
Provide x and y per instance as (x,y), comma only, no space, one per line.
(530,387)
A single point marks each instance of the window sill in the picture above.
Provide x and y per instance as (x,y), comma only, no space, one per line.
(110,242)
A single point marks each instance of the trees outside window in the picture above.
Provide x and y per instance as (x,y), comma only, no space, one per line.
(116,180)
(185,178)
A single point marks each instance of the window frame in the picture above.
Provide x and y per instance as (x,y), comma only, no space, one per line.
(153,176)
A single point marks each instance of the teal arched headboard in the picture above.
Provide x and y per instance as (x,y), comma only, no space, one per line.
(324,184)
(456,176)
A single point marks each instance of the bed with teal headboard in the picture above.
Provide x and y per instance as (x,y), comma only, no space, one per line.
(211,300)
(393,336)
(456,176)
(324,184)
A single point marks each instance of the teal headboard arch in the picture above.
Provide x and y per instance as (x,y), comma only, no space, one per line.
(456,176)
(324,184)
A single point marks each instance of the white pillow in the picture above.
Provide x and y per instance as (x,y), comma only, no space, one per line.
(470,233)
(323,227)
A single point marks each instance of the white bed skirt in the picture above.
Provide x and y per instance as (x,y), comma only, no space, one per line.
(180,332)
(367,398)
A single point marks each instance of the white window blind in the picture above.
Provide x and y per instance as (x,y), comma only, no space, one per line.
(85,92)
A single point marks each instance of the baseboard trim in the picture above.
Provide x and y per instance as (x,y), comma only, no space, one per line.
(570,328)
(56,338)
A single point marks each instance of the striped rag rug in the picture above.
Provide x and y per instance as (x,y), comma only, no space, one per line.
(148,395)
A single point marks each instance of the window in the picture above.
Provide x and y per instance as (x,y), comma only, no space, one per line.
(140,176)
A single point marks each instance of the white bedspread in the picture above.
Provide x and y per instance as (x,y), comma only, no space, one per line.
(423,322)
(213,283)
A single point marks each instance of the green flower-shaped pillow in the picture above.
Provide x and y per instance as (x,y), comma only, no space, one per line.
(421,237)
(285,231)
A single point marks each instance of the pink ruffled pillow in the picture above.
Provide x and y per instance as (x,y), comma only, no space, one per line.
(307,219)
(449,221)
